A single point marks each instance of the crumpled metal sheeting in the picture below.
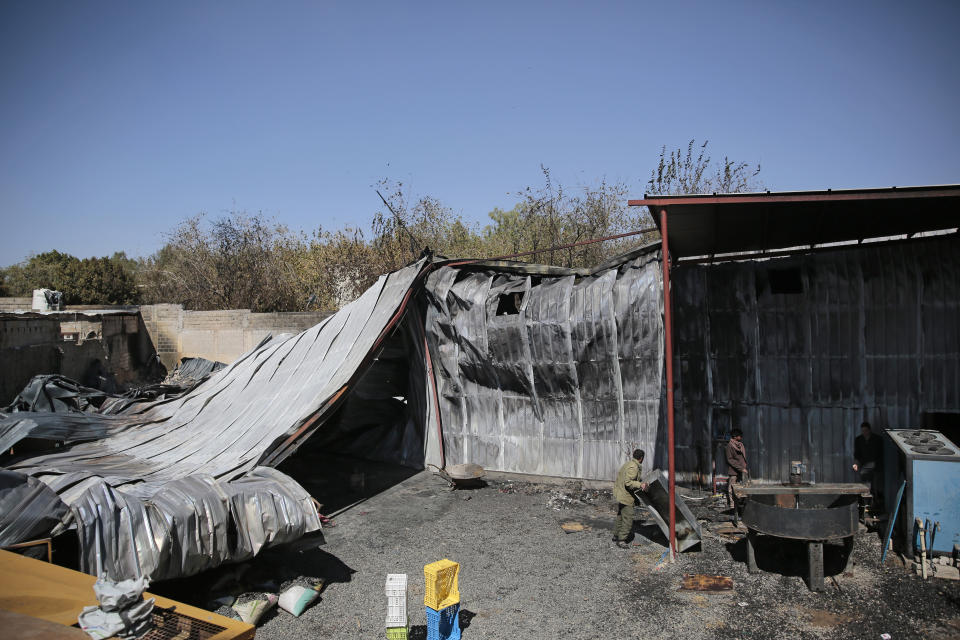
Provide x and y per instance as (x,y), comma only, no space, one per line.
(68,428)
(567,385)
(197,368)
(57,393)
(186,526)
(150,488)
(268,508)
(247,412)
(29,509)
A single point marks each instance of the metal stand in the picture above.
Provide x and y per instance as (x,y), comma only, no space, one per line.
(751,556)
(847,552)
(815,565)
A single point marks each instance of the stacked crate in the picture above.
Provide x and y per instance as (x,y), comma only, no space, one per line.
(396,590)
(442,597)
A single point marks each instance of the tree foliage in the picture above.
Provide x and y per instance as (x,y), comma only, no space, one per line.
(106,280)
(242,260)
(692,171)
(236,261)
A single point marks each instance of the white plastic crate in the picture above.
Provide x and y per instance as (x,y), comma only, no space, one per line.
(397,613)
(396,590)
(396,584)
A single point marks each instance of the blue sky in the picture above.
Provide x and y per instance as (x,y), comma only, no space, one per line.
(120,119)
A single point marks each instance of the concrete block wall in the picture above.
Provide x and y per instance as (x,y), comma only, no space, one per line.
(114,346)
(26,304)
(21,330)
(16,304)
(19,364)
(216,335)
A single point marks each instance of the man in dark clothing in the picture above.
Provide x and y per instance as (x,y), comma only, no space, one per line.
(628,481)
(736,464)
(868,457)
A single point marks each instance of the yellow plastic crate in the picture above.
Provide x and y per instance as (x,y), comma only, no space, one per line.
(441,584)
(396,633)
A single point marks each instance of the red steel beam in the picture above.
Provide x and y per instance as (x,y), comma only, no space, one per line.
(668,338)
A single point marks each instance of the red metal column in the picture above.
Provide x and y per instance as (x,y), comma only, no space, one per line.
(668,348)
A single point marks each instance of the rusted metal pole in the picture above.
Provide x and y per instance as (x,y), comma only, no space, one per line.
(668,348)
(582,243)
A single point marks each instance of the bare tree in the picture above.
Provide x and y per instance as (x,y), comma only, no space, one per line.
(692,171)
(232,262)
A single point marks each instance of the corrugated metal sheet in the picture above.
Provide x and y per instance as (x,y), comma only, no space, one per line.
(150,488)
(566,384)
(872,334)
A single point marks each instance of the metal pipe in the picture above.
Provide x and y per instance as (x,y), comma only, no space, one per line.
(668,348)
(582,243)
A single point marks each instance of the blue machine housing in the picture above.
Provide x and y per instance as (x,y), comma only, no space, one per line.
(930,463)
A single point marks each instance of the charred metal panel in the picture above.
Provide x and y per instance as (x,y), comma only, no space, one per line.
(812,517)
(871,333)
(548,372)
(657,500)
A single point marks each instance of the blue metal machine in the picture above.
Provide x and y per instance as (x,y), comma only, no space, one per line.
(930,464)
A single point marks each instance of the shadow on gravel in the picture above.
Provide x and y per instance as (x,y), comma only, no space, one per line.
(465,617)
(300,561)
(652,533)
(787,557)
(418,632)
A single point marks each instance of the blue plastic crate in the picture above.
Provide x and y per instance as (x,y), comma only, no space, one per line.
(443,624)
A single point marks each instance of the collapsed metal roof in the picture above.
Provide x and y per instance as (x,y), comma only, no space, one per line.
(152,487)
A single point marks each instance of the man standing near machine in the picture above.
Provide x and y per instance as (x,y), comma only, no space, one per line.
(868,458)
(736,464)
(628,481)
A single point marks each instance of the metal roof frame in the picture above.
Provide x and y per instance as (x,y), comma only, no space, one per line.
(731,223)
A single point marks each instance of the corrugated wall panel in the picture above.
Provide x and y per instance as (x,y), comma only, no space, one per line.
(567,386)
(872,333)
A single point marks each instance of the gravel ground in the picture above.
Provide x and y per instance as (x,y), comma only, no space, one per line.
(522,576)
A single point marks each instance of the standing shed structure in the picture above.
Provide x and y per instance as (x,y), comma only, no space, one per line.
(798,315)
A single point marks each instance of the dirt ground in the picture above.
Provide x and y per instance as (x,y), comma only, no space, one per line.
(523,576)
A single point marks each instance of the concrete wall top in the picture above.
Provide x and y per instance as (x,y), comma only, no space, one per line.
(16,304)
(222,335)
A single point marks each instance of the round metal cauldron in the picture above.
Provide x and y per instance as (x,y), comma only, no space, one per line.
(798,515)
(462,476)
(803,516)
